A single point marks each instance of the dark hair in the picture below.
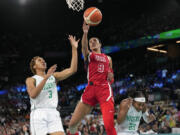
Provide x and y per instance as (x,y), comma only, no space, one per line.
(97,39)
(32,63)
(133,93)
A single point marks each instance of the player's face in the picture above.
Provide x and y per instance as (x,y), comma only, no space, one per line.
(94,43)
(40,64)
(138,105)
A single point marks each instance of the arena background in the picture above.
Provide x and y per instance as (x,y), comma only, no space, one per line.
(142,37)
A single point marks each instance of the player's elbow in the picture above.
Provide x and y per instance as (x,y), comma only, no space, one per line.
(32,95)
(73,70)
(120,119)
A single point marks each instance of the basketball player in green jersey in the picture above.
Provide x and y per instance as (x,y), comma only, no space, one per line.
(130,112)
(42,90)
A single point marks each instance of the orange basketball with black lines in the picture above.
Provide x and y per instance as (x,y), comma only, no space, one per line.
(92,16)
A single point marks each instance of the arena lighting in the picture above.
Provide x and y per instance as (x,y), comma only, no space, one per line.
(22,2)
(178,42)
(156,50)
(81,86)
(58,88)
(2,92)
(156,46)
(153,48)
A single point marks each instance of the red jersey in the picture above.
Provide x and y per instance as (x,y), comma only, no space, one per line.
(98,67)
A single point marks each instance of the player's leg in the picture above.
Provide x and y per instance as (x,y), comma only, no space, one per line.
(84,107)
(107,109)
(80,111)
(55,126)
(37,124)
(105,98)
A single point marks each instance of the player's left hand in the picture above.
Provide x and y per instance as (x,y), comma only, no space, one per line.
(73,41)
(50,71)
(152,117)
(110,76)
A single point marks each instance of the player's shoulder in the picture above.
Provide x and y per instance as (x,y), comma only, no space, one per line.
(30,79)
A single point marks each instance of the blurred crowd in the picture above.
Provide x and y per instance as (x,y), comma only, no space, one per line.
(167,117)
(12,122)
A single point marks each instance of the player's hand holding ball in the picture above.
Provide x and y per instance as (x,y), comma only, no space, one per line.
(92,16)
(85,27)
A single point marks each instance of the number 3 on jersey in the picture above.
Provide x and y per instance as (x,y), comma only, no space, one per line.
(101,68)
(50,93)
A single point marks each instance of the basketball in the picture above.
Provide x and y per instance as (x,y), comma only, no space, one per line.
(92,16)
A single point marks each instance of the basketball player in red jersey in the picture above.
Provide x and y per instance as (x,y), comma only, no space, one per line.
(98,90)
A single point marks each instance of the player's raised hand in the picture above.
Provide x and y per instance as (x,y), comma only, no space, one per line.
(129,102)
(152,117)
(51,70)
(73,41)
(85,27)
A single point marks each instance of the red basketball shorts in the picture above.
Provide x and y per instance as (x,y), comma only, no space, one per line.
(94,94)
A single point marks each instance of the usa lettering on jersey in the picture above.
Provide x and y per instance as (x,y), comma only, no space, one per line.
(100,58)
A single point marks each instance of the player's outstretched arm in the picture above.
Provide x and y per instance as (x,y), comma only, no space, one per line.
(74,61)
(34,91)
(123,109)
(84,41)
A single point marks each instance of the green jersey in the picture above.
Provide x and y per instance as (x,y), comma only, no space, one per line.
(131,123)
(48,97)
